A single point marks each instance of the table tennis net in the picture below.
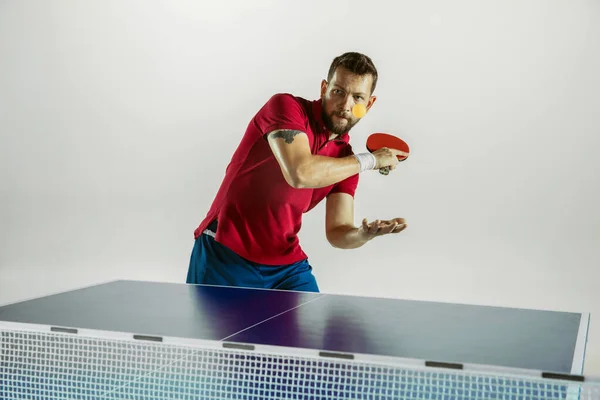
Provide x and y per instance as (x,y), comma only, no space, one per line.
(51,365)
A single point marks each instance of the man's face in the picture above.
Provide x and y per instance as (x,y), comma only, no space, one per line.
(339,96)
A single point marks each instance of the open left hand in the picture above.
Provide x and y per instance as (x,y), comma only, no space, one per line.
(382,227)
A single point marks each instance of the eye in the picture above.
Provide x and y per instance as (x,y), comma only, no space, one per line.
(359,98)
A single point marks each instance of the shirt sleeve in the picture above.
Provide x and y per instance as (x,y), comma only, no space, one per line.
(348,185)
(282,111)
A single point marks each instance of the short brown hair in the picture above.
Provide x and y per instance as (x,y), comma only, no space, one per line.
(356,63)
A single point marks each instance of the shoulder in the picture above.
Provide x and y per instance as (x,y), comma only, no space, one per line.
(286,103)
(283,111)
(349,149)
(346,149)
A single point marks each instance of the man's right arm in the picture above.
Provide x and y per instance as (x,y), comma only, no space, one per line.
(301,168)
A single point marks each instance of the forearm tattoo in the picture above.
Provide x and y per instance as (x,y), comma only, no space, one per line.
(286,134)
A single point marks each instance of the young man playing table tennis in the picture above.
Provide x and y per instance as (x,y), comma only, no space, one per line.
(294,154)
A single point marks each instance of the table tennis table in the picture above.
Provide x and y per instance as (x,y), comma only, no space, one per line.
(147,340)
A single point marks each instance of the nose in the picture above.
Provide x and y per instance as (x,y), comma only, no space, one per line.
(348,103)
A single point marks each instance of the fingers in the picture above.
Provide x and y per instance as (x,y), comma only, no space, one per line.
(387,227)
(374,228)
(399,153)
(388,158)
(400,225)
(370,229)
(383,227)
(399,228)
(394,226)
(392,152)
(365,225)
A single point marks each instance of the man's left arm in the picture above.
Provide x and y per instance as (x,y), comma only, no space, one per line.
(339,223)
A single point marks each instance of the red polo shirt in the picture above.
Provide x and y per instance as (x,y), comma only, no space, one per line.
(258,212)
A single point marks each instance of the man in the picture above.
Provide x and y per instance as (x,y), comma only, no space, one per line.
(294,154)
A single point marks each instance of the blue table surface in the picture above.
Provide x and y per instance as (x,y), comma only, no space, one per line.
(507,337)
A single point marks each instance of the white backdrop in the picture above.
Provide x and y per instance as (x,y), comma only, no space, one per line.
(118,119)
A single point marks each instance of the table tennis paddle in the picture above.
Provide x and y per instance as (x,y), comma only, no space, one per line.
(376,141)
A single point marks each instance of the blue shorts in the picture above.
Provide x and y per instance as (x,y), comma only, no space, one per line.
(212,263)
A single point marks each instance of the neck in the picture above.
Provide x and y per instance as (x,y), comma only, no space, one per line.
(333,136)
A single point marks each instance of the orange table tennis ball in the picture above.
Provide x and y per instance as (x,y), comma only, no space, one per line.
(359,110)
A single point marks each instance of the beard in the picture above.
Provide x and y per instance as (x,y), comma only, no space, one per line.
(339,127)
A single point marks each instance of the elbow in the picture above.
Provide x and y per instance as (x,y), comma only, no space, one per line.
(335,244)
(335,236)
(294,181)
(297,177)
(297,183)
(340,244)
(332,241)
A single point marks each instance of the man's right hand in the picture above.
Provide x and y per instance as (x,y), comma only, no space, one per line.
(387,157)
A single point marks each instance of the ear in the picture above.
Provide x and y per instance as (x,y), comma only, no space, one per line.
(371,101)
(323,88)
